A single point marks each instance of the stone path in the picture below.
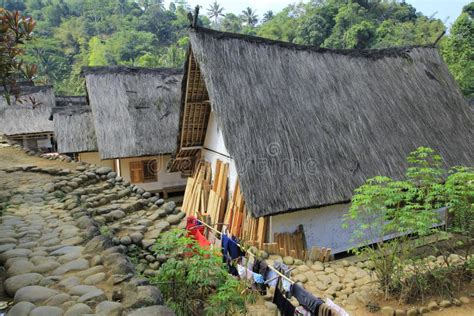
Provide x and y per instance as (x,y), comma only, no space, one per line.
(55,259)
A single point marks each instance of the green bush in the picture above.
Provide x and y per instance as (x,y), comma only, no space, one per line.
(405,208)
(194,280)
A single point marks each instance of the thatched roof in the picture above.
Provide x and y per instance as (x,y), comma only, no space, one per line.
(135,110)
(28,113)
(306,126)
(74,129)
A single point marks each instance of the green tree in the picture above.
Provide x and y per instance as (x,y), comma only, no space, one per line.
(15,30)
(214,11)
(458,50)
(249,17)
(231,23)
(267,16)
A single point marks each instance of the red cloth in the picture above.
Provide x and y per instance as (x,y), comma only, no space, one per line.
(196,231)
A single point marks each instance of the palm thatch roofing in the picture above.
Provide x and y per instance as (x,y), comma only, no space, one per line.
(73,126)
(29,112)
(306,126)
(135,110)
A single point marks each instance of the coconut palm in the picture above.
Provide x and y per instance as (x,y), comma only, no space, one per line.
(215,11)
(267,16)
(249,16)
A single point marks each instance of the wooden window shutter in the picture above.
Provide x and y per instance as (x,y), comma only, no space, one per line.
(136,172)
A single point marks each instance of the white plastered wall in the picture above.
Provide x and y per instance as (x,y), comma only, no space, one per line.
(215,149)
(165,179)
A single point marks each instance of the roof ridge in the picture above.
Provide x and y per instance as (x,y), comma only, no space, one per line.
(368,53)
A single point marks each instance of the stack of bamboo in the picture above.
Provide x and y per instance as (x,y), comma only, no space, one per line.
(198,187)
(203,197)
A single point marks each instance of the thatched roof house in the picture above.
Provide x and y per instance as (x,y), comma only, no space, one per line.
(306,126)
(73,125)
(28,113)
(135,110)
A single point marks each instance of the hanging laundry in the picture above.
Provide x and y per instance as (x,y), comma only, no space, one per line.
(284,306)
(305,298)
(336,308)
(196,230)
(230,252)
(260,267)
(271,278)
(300,310)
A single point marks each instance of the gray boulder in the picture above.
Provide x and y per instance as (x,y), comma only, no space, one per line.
(34,294)
(156,310)
(13,284)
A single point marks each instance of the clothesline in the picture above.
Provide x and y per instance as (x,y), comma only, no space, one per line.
(251,254)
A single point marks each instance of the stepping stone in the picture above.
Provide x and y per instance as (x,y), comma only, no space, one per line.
(14,253)
(13,284)
(46,311)
(152,310)
(34,294)
(20,267)
(80,290)
(93,297)
(75,265)
(6,247)
(108,308)
(78,310)
(21,309)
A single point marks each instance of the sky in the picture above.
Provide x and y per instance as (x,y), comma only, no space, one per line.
(447,10)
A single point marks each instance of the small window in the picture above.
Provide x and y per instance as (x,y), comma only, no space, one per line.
(150,172)
(143,171)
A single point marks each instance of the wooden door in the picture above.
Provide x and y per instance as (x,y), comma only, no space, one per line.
(136,172)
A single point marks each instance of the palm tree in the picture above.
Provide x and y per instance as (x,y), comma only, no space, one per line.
(215,11)
(267,16)
(249,16)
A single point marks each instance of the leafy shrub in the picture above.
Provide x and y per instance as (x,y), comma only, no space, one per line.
(385,207)
(194,280)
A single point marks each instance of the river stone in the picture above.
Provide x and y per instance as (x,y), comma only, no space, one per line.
(34,294)
(46,311)
(21,309)
(169,207)
(46,267)
(78,310)
(108,308)
(152,310)
(75,265)
(136,237)
(125,240)
(95,278)
(93,297)
(6,247)
(288,260)
(69,282)
(173,219)
(82,289)
(66,250)
(445,304)
(13,284)
(14,253)
(387,311)
(20,267)
(58,299)
(433,306)
(139,296)
(464,299)
(103,170)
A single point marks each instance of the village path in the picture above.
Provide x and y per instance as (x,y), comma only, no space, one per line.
(53,260)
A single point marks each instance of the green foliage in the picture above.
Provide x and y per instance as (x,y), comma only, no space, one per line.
(383,206)
(458,50)
(75,33)
(195,279)
(105,231)
(15,30)
(459,188)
